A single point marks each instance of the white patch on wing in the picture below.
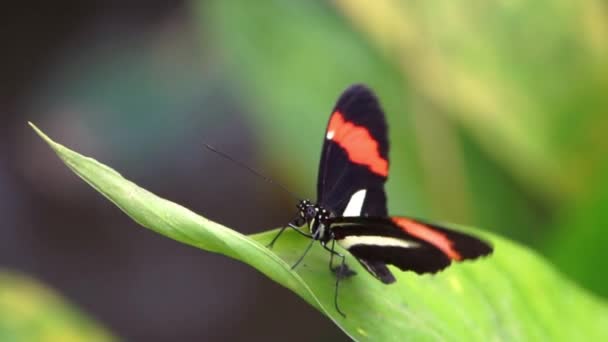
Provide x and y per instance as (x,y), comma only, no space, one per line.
(355,205)
(381,241)
(330,135)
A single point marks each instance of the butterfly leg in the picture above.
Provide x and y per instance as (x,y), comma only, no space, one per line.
(341,272)
(299,230)
(276,237)
(303,254)
(290,225)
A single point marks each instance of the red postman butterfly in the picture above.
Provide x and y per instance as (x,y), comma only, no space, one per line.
(351,204)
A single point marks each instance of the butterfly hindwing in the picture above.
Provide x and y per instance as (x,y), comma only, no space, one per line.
(408,244)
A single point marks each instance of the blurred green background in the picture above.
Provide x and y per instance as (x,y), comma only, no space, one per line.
(496,113)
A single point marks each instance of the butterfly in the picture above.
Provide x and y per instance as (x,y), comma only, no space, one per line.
(351,205)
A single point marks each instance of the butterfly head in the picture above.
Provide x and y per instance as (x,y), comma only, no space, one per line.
(316,217)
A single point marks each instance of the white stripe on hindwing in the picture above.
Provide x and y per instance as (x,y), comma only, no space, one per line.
(380,241)
(355,205)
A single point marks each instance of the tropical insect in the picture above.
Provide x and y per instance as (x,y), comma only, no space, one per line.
(351,206)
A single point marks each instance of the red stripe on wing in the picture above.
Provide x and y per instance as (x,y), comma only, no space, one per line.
(358,143)
(430,235)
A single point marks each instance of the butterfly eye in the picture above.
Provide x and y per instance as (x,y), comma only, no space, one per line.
(310,212)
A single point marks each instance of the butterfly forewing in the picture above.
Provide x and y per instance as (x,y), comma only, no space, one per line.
(355,154)
(456,245)
(354,163)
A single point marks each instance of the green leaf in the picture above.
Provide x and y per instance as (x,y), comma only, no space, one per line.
(31,312)
(512,295)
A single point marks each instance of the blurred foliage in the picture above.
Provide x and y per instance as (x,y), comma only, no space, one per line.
(502,299)
(31,312)
(576,245)
(496,109)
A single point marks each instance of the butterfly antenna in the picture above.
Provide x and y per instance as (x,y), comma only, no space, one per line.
(246,167)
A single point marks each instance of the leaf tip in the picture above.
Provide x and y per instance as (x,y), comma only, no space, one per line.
(38,131)
(33,126)
(45,137)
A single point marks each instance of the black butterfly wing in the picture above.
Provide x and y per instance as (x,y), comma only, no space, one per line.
(354,163)
(354,155)
(408,244)
(455,245)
